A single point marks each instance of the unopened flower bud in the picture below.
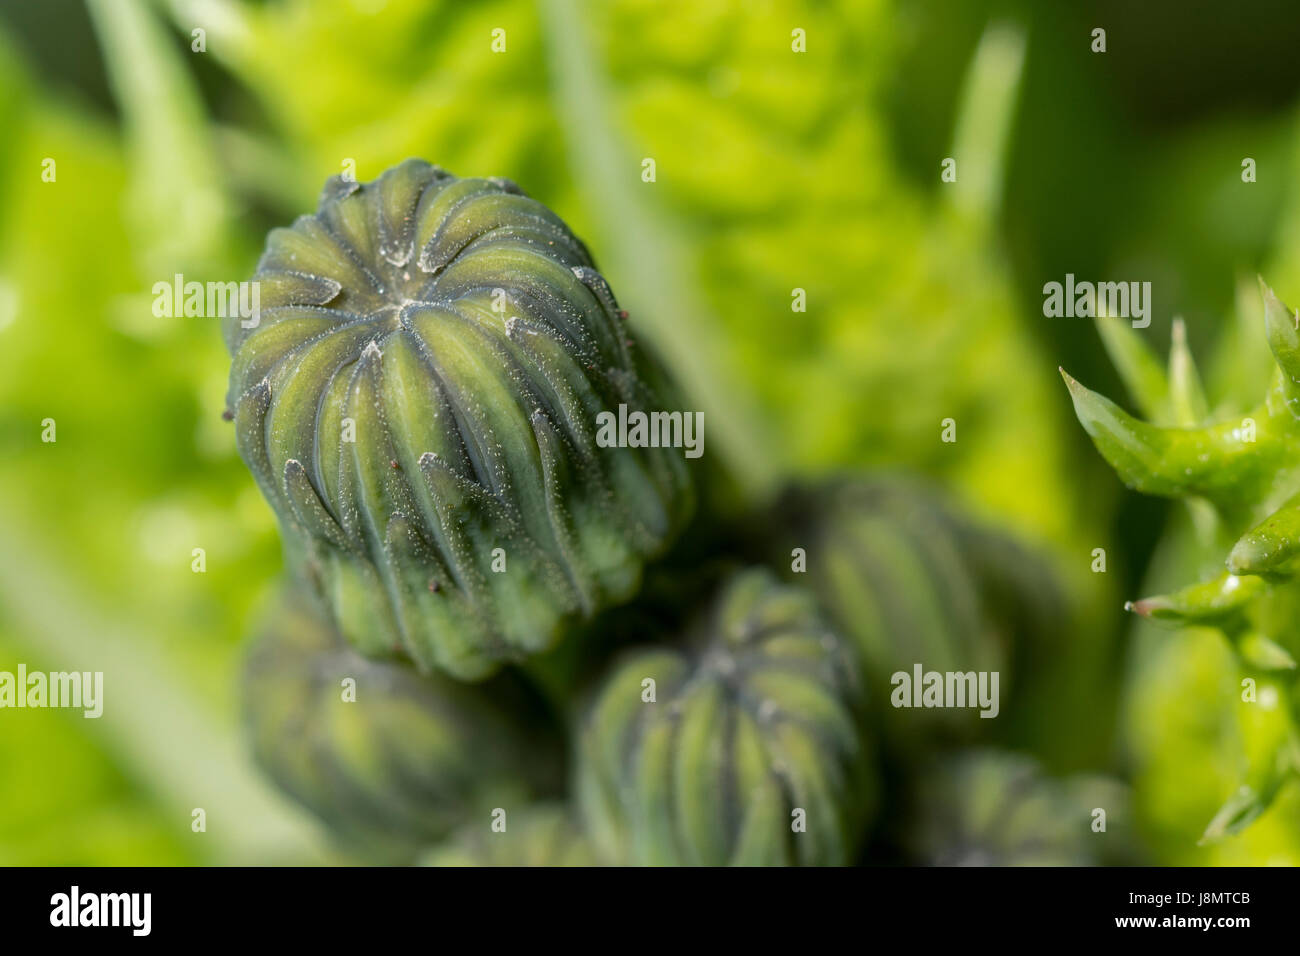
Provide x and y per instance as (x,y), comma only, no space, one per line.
(746,749)
(418,401)
(387,758)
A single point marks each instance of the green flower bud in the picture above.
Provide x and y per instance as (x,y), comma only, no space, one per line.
(987,808)
(418,402)
(385,757)
(745,750)
(534,836)
(910,581)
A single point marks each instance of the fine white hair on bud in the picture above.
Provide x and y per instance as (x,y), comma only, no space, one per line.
(382,313)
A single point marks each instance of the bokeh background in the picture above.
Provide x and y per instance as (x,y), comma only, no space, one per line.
(775,171)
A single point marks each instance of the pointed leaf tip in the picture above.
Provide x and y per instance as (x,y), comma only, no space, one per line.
(1211,460)
(1280,325)
(1137,451)
(1146,607)
(1138,368)
(1237,813)
(1208,602)
(1186,395)
(1275,310)
(1078,392)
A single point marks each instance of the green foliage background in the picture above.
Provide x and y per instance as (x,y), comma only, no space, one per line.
(775,171)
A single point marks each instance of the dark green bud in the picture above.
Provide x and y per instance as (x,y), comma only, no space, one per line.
(532,836)
(385,757)
(988,808)
(745,750)
(911,581)
(418,401)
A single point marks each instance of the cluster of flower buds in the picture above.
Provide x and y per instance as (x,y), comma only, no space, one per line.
(420,401)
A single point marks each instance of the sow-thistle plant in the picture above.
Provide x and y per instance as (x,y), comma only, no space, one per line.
(745,749)
(1241,476)
(418,402)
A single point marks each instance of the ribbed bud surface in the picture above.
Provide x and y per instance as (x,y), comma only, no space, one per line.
(988,808)
(746,750)
(387,758)
(910,581)
(418,402)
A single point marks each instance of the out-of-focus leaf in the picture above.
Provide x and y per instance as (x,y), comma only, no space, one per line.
(175,197)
